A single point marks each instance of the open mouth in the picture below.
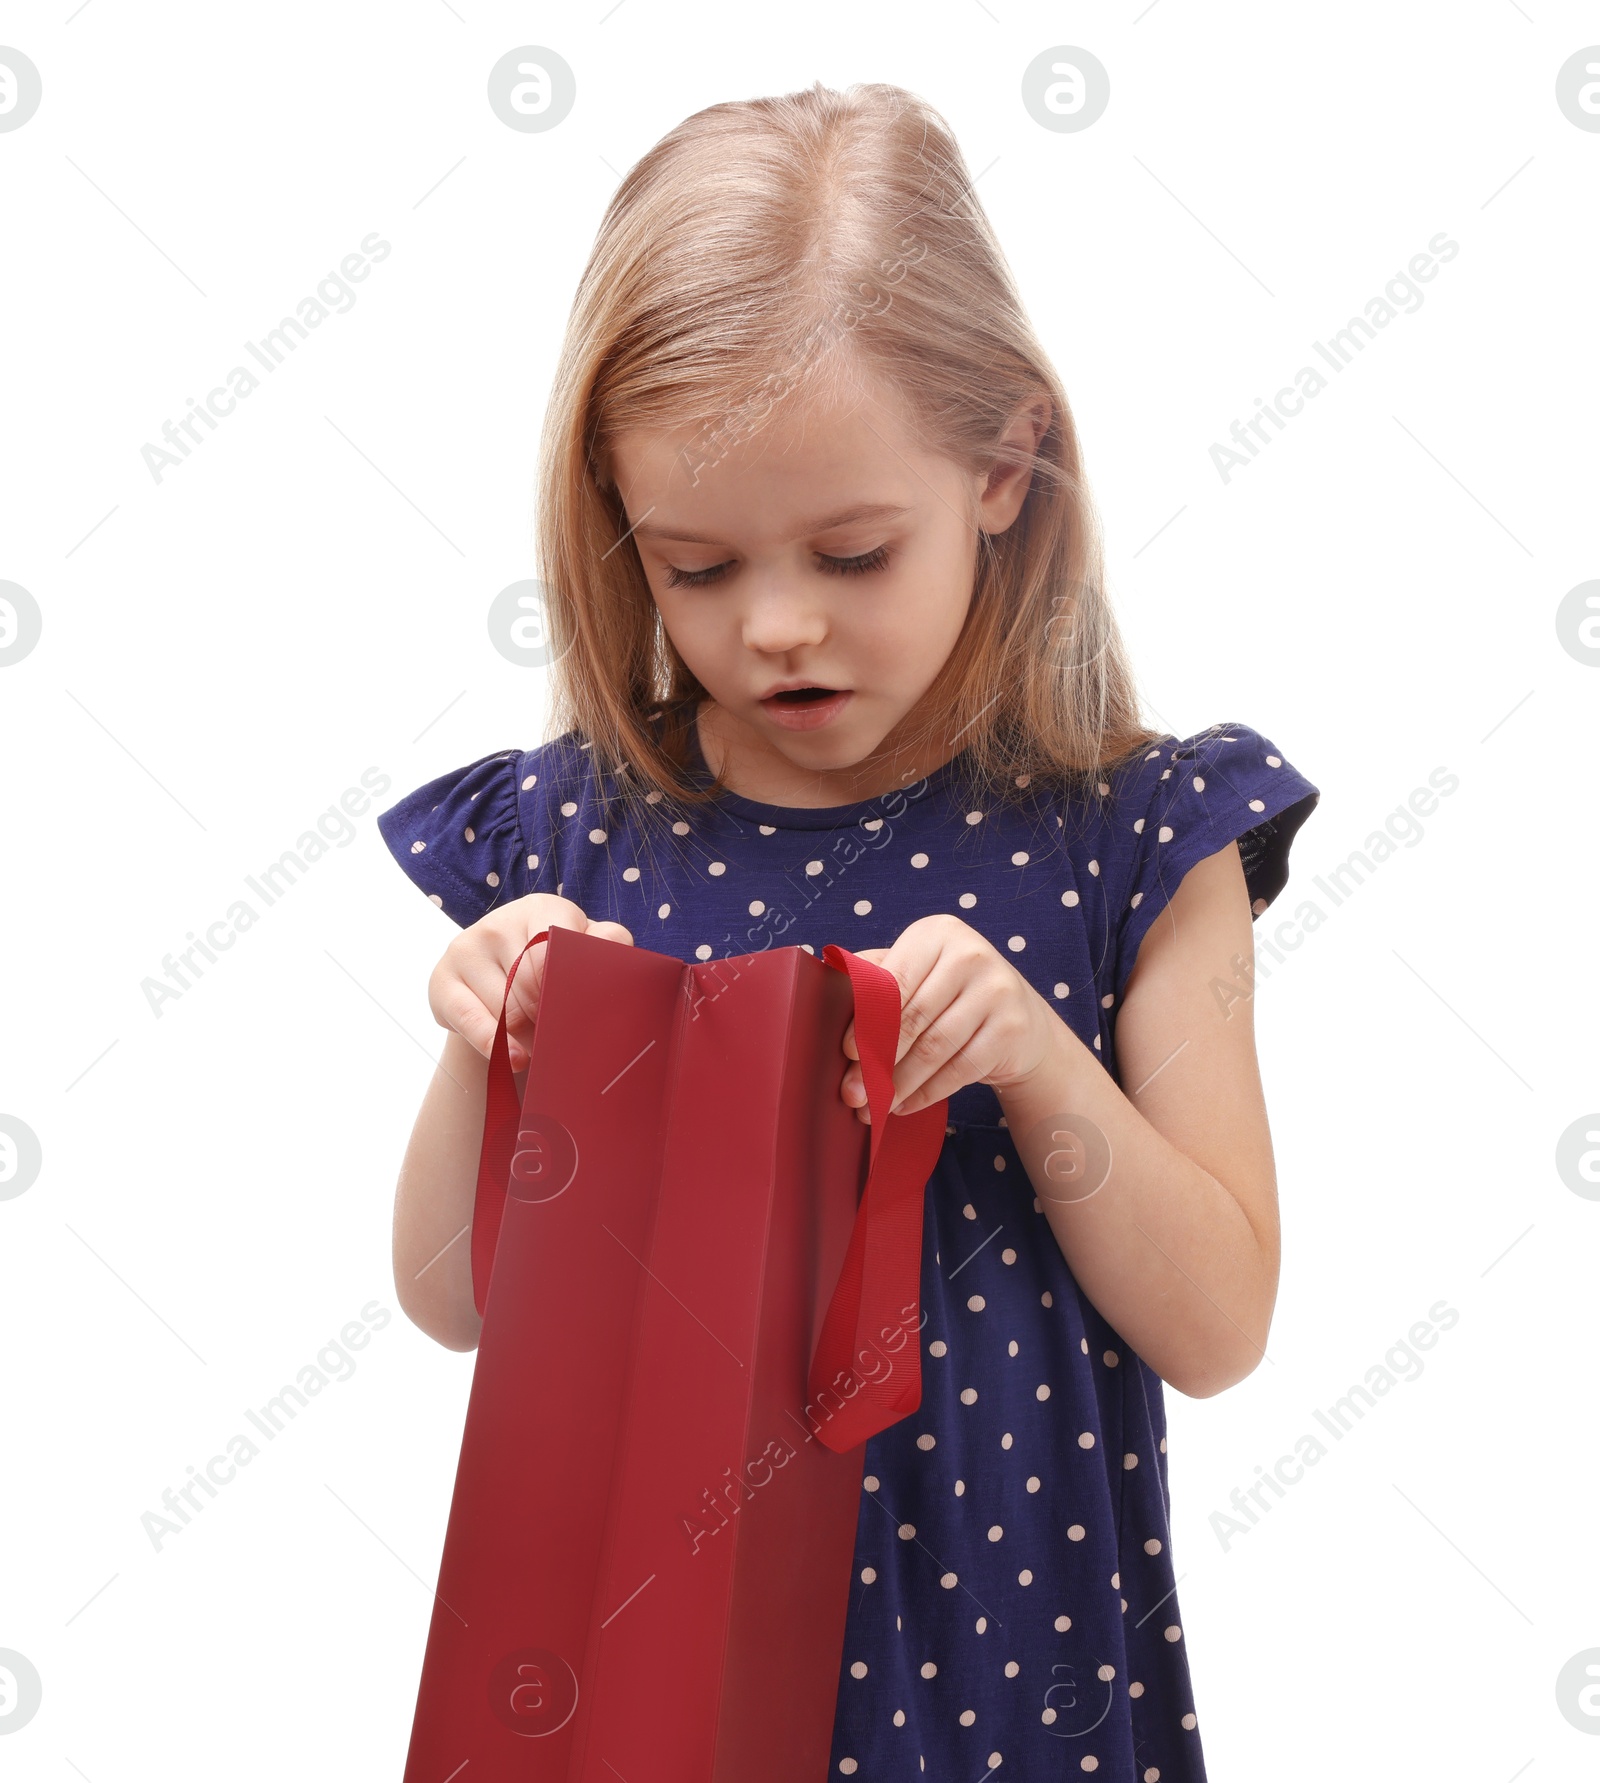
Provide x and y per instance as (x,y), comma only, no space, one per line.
(807,708)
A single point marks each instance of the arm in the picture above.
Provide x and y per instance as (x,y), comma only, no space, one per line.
(439,1174)
(434,1196)
(1179,1248)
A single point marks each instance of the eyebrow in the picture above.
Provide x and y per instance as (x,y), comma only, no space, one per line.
(867,511)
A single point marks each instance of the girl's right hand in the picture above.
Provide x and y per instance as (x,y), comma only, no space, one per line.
(468,986)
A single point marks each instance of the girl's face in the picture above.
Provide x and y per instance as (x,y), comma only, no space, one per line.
(827,548)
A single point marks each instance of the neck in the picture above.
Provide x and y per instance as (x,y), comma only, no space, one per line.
(754,770)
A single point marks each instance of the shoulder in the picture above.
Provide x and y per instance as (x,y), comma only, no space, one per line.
(480,835)
(1182,800)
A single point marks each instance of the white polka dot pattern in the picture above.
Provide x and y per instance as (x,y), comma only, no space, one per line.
(1012,1604)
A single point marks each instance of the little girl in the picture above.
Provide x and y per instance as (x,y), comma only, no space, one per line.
(833,661)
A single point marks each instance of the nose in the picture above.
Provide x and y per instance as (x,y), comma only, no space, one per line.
(782,615)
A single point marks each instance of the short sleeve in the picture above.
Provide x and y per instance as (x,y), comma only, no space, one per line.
(460,837)
(1182,801)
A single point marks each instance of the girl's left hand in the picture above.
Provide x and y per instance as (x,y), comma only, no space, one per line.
(966,1016)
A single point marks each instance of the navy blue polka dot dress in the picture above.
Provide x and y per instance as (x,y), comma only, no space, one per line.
(1013,1609)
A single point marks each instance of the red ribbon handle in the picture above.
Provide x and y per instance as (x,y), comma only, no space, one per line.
(866,1372)
(502,1115)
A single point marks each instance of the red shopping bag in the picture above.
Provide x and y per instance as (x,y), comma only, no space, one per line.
(698,1276)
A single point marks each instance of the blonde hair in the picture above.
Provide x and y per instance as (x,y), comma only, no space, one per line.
(768,245)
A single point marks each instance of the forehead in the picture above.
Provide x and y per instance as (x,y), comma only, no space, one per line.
(788,465)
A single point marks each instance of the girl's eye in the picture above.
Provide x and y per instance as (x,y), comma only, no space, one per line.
(677,578)
(854,566)
(832,566)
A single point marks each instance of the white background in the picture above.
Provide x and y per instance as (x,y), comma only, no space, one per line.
(226,651)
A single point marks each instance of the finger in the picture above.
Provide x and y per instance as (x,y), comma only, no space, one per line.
(913,953)
(483,970)
(924,1000)
(913,958)
(483,984)
(512,950)
(852,1087)
(951,1055)
(461,1005)
(939,1048)
(522,1008)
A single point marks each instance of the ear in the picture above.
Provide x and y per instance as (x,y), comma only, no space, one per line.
(1003,490)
